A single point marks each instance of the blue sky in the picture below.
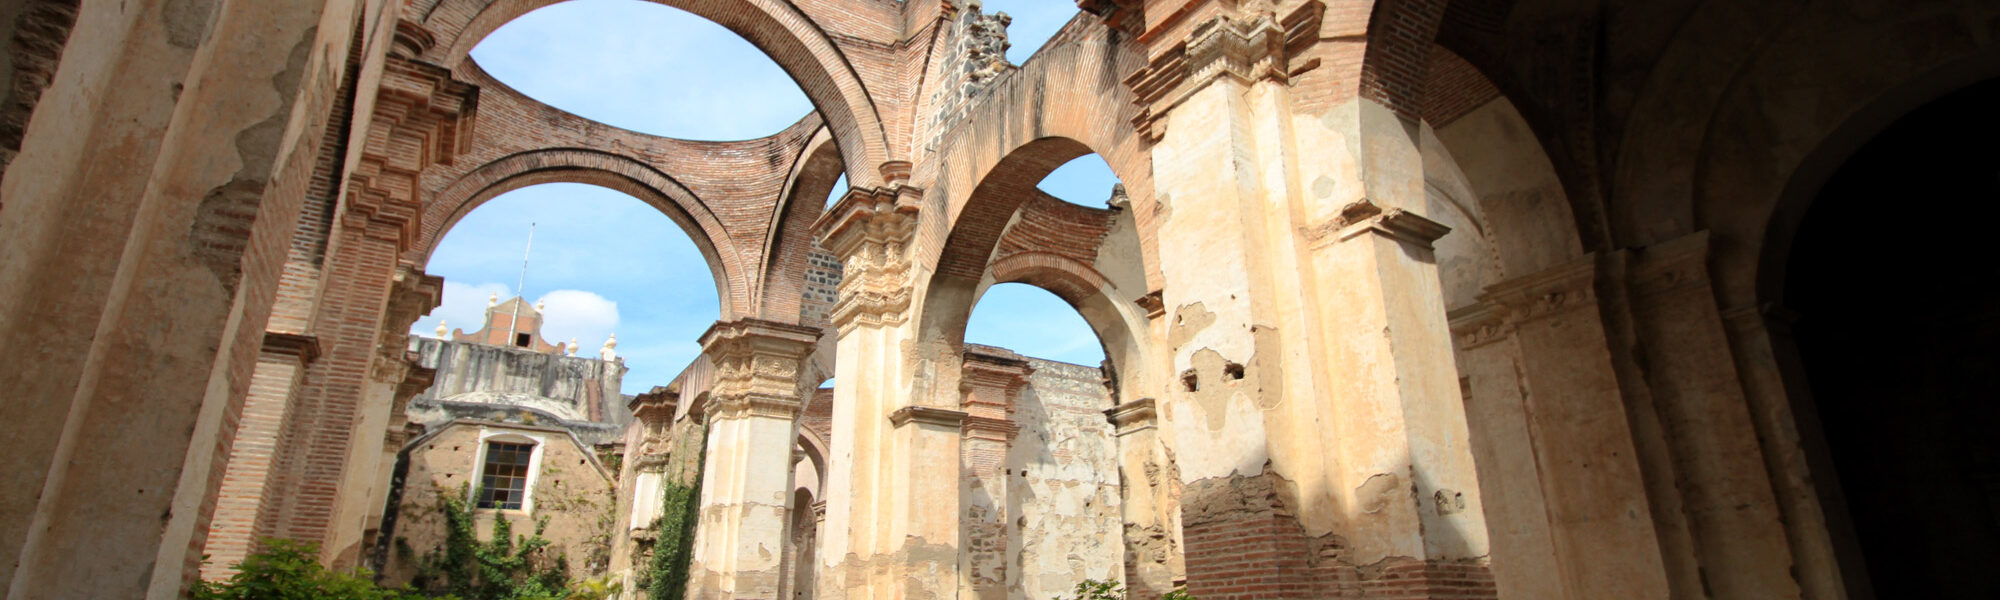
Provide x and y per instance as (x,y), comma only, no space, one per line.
(605,262)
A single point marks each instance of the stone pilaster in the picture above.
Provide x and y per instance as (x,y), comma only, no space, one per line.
(1558,459)
(1317,418)
(746,487)
(1722,493)
(280,367)
(419,118)
(991,383)
(1153,557)
(145,225)
(892,482)
(394,378)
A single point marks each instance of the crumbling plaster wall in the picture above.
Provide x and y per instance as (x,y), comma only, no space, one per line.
(1063,484)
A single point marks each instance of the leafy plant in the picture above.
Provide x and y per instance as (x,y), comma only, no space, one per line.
(289,570)
(680,512)
(507,567)
(1091,589)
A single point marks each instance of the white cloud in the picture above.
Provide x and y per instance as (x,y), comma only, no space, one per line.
(585,316)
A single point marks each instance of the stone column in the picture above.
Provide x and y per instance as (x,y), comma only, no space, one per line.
(892,482)
(1558,465)
(746,488)
(991,383)
(1153,558)
(145,223)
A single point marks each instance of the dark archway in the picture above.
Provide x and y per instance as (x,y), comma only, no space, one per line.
(1898,313)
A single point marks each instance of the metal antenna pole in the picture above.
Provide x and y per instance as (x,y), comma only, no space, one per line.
(520,294)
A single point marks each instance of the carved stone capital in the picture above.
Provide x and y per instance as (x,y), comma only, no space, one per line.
(757,367)
(990,380)
(1244,47)
(925,415)
(1135,416)
(1365,217)
(870,230)
(1154,304)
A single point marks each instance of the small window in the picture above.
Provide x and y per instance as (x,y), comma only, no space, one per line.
(521,339)
(504,483)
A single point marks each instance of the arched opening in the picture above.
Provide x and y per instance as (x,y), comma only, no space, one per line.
(1044,490)
(780,31)
(1036,294)
(1032,322)
(597,266)
(643,66)
(1896,362)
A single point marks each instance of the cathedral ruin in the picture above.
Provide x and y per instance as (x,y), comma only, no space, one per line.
(1400,299)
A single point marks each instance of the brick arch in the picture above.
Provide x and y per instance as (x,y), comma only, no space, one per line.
(788,243)
(1758,160)
(1834,150)
(612,171)
(1063,276)
(971,257)
(784,33)
(1400,36)
(1070,100)
(1515,198)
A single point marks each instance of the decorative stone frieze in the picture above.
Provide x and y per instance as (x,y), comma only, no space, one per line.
(870,230)
(1553,291)
(925,415)
(1479,324)
(1244,47)
(756,367)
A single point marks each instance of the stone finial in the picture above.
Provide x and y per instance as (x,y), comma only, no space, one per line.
(539,304)
(442,329)
(493,300)
(572,346)
(610,347)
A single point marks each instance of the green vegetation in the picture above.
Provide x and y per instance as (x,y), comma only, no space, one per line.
(504,568)
(507,567)
(1091,589)
(288,570)
(666,574)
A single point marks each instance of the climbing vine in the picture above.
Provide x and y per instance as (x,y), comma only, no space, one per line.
(507,567)
(680,511)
